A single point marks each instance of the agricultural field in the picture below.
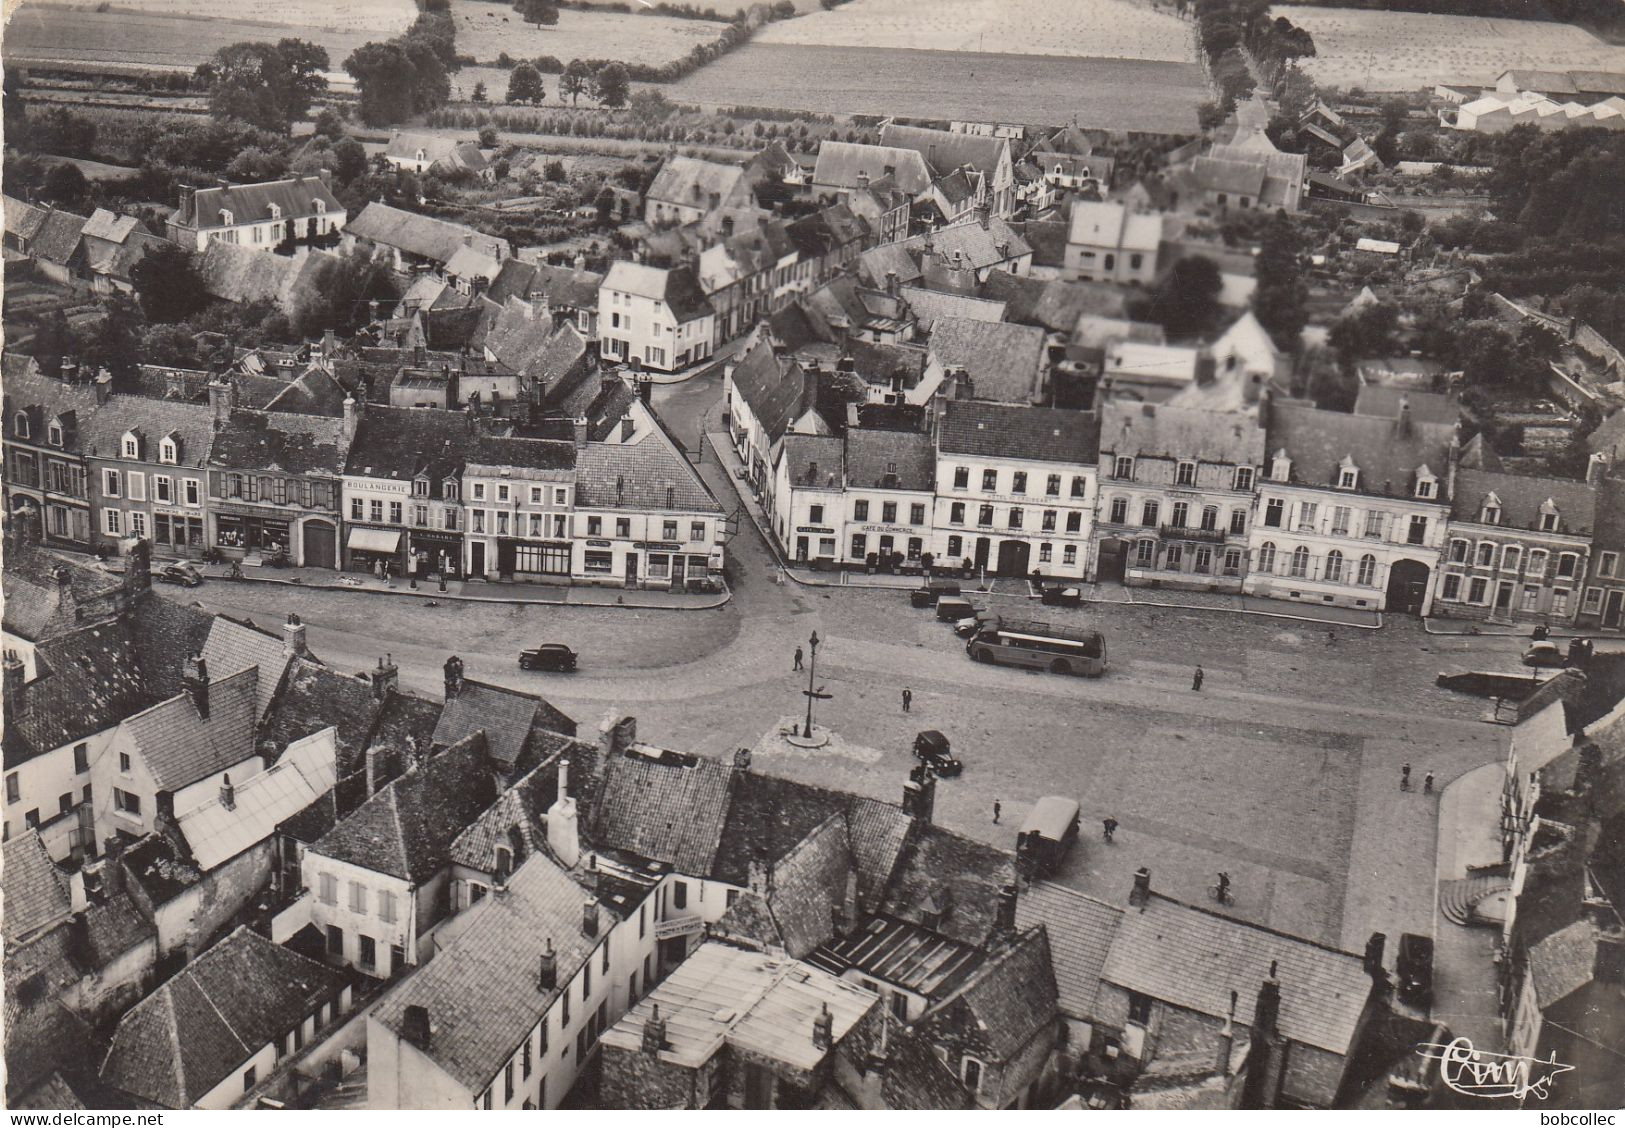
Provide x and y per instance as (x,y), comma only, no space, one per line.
(1406,50)
(374,18)
(1119,94)
(486,30)
(1082,28)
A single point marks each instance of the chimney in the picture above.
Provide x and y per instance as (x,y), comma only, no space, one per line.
(629,427)
(616,736)
(103,385)
(293,636)
(1141,892)
(580,261)
(823,1028)
(547,969)
(759,877)
(386,678)
(228,793)
(654,1032)
(350,414)
(1267,1013)
(646,388)
(580,425)
(222,398)
(1596,468)
(1207,366)
(848,912)
(63,598)
(1374,949)
(1266,1051)
(197,684)
(1402,422)
(563,833)
(16,671)
(589,917)
(415,1026)
(1005,922)
(370,759)
(330,344)
(454,676)
(891,282)
(920,794)
(1227,1040)
(185,194)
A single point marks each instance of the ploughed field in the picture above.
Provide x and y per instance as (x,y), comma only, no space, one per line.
(1406,50)
(486,30)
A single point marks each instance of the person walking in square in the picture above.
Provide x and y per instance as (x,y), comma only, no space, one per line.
(1110,827)
(908,698)
(996,810)
(797,666)
(1405,777)
(1427,784)
(1196,680)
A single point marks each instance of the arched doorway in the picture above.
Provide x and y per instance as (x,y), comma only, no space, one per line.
(1113,560)
(26,519)
(1013,557)
(1407,587)
(321,545)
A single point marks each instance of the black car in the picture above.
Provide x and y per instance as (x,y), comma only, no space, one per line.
(1414,969)
(183,574)
(927,594)
(1057,596)
(548,656)
(931,749)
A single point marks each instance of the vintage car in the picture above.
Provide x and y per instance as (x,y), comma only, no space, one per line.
(548,656)
(931,749)
(183,574)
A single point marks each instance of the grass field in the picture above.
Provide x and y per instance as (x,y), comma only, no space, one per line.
(486,30)
(1086,28)
(1405,50)
(375,18)
(1122,94)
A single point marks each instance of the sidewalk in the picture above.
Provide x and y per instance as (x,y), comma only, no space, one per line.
(1466,996)
(1438,626)
(470,591)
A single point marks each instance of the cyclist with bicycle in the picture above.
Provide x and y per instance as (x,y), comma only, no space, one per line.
(1221,890)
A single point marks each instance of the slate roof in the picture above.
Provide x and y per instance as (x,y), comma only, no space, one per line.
(26,388)
(23,219)
(944,151)
(1610,514)
(1081,930)
(1149,430)
(407,827)
(978,244)
(1005,362)
(506,717)
(1241,178)
(1039,434)
(315,697)
(403,443)
(691,182)
(43,1043)
(645,474)
(36,892)
(1563,962)
(190,424)
(421,235)
(1192,958)
(283,441)
(481,992)
(878,363)
(519,811)
(88,680)
(233,646)
(528,344)
(58,237)
(873,458)
(179,747)
(538,454)
(111,227)
(813,461)
(1521,499)
(1317,442)
(1009,1000)
(931,305)
(794,911)
(664,812)
(843,164)
(217,833)
(204,1024)
(961,876)
(437,150)
(296,196)
(676,286)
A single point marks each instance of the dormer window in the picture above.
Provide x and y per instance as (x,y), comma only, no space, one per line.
(1549,519)
(1348,479)
(451,489)
(169,451)
(1426,483)
(320,205)
(1491,513)
(131,445)
(276,211)
(1124,467)
(1185,474)
(420,487)
(226,218)
(1281,467)
(19,424)
(53,433)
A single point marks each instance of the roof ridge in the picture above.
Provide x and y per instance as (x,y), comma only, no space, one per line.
(1253,925)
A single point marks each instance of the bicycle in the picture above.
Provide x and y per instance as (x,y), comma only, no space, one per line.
(1220,892)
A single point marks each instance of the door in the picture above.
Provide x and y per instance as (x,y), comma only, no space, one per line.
(1407,586)
(321,545)
(1503,598)
(631,569)
(1113,559)
(801,548)
(476,566)
(982,546)
(1614,610)
(1013,557)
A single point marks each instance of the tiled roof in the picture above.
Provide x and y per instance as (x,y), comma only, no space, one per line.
(180,747)
(676,286)
(481,992)
(845,164)
(315,392)
(421,235)
(437,150)
(58,237)
(36,893)
(1564,962)
(1243,178)
(313,698)
(980,246)
(113,228)
(766,817)
(1522,498)
(88,680)
(1317,442)
(233,646)
(930,305)
(890,459)
(1158,431)
(690,182)
(1080,930)
(404,443)
(204,1024)
(813,461)
(538,454)
(506,717)
(826,231)
(216,832)
(760,1004)
(191,425)
(241,274)
(280,441)
(944,151)
(406,829)
(960,876)
(1005,362)
(247,203)
(23,219)
(802,881)
(1040,434)
(1194,959)
(646,474)
(43,1043)
(518,812)
(560,285)
(777,390)
(664,812)
(1610,514)
(1010,999)
(27,388)
(878,263)
(471,262)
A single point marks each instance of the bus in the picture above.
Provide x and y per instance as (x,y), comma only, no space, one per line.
(1041,646)
(1047,834)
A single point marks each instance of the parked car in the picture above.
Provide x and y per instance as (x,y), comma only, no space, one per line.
(1049,831)
(548,656)
(1544,654)
(972,626)
(1414,969)
(931,748)
(183,574)
(951,609)
(926,595)
(1057,596)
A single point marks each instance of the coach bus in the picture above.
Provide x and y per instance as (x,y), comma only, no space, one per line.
(1042,646)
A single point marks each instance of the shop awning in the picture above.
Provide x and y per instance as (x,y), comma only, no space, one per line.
(375,540)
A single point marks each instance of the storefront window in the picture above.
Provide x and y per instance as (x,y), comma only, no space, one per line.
(602,562)
(659,565)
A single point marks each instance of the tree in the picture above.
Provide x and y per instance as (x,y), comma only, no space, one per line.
(555,172)
(437,31)
(167,284)
(525,84)
(612,85)
(268,86)
(346,295)
(1369,331)
(386,75)
(173,346)
(539,12)
(114,343)
(479,94)
(575,81)
(649,107)
(1186,303)
(53,340)
(1278,299)
(64,184)
(349,160)
(329,125)
(251,166)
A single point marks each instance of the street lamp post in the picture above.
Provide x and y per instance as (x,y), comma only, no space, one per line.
(812,694)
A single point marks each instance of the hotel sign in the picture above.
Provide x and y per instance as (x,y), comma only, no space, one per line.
(678,926)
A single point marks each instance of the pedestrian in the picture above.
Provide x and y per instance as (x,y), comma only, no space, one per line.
(1427,784)
(1405,778)
(797,666)
(908,698)
(1196,680)
(1110,825)
(996,810)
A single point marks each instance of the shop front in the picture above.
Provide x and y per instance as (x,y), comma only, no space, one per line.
(891,546)
(665,563)
(374,550)
(533,561)
(242,533)
(179,534)
(435,554)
